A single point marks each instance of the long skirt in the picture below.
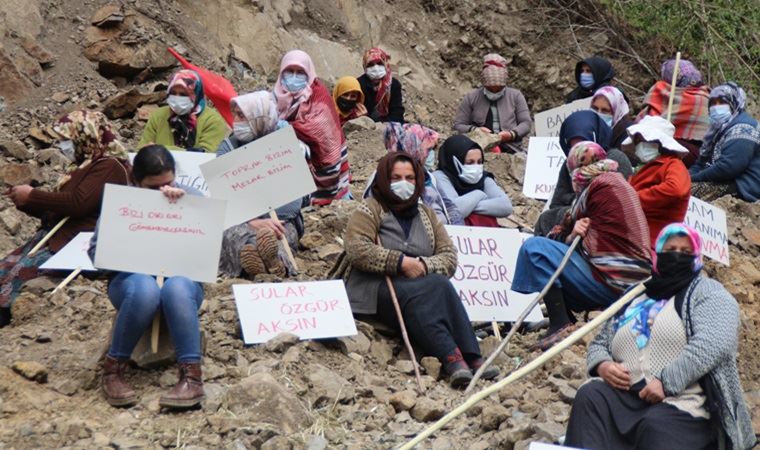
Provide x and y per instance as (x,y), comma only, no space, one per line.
(18,268)
(604,418)
(236,237)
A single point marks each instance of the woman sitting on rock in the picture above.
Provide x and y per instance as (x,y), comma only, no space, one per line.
(138,297)
(613,253)
(664,370)
(494,107)
(663,183)
(591,74)
(306,104)
(382,91)
(729,161)
(461,178)
(97,158)
(187,122)
(253,247)
(393,234)
(612,107)
(349,99)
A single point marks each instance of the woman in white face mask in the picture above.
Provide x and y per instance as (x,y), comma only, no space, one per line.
(186,122)
(461,178)
(382,92)
(663,182)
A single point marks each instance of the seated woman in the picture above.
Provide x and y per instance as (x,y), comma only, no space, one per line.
(97,158)
(690,105)
(664,370)
(254,246)
(349,99)
(382,92)
(614,252)
(306,104)
(729,160)
(612,107)
(460,177)
(663,183)
(494,107)
(138,298)
(419,142)
(187,122)
(591,74)
(392,234)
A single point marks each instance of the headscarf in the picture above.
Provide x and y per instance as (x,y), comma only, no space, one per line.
(383,89)
(617,101)
(586,161)
(92,137)
(184,127)
(600,67)
(494,70)
(587,125)
(456,147)
(288,102)
(344,86)
(381,189)
(412,139)
(736,98)
(688,74)
(680,229)
(260,108)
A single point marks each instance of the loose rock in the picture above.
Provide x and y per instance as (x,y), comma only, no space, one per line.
(31,370)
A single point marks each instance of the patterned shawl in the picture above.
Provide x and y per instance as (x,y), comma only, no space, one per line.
(383,89)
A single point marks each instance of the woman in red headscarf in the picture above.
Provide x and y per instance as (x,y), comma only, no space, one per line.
(382,92)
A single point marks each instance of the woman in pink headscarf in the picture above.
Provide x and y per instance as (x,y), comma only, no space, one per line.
(382,91)
(307,105)
(612,107)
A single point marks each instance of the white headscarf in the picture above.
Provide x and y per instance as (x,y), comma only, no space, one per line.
(260,108)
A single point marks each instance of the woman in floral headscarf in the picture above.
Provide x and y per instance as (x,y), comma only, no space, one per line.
(612,106)
(97,157)
(187,122)
(382,91)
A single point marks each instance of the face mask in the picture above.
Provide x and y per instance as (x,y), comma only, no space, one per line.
(180,104)
(403,189)
(67,148)
(647,151)
(493,96)
(587,80)
(430,161)
(376,72)
(720,114)
(346,105)
(671,264)
(242,131)
(607,118)
(469,173)
(294,82)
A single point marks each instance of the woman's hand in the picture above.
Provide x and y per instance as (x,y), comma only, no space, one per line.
(360,109)
(505,136)
(579,229)
(615,374)
(485,130)
(20,194)
(172,193)
(412,267)
(653,392)
(276,226)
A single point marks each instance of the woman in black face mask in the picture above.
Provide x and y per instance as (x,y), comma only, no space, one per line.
(664,370)
(349,99)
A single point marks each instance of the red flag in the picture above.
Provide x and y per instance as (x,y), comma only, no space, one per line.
(215,87)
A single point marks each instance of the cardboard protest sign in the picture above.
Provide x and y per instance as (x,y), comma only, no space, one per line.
(710,223)
(549,122)
(259,177)
(545,159)
(140,231)
(187,170)
(483,278)
(309,309)
(73,256)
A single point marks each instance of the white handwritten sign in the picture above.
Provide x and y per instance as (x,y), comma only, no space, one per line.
(309,309)
(259,177)
(140,231)
(485,267)
(710,223)
(549,122)
(73,256)
(187,168)
(545,159)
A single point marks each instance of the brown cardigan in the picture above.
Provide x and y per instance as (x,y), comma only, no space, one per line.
(513,112)
(79,199)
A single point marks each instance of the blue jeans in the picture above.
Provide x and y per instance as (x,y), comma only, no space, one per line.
(537,260)
(137,297)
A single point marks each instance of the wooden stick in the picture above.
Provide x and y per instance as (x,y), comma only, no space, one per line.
(524,314)
(673,85)
(496,332)
(530,367)
(67,280)
(47,237)
(288,251)
(156,327)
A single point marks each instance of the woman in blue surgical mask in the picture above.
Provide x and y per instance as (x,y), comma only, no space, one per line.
(461,178)
(612,106)
(729,160)
(590,74)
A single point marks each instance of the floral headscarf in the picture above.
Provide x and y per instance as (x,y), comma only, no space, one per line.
(260,108)
(585,162)
(736,98)
(184,127)
(383,93)
(680,229)
(413,139)
(617,101)
(688,74)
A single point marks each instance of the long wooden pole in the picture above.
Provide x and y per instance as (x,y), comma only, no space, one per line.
(67,280)
(530,367)
(524,314)
(673,85)
(288,251)
(47,237)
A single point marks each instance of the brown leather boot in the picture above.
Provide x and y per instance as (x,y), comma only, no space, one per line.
(189,389)
(118,392)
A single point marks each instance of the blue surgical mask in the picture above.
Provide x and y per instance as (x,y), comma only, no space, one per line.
(587,80)
(720,114)
(294,82)
(430,161)
(607,118)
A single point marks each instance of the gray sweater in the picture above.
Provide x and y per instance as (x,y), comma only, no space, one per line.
(513,112)
(491,201)
(711,319)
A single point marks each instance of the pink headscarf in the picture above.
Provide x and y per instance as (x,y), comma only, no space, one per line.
(287,101)
(617,101)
